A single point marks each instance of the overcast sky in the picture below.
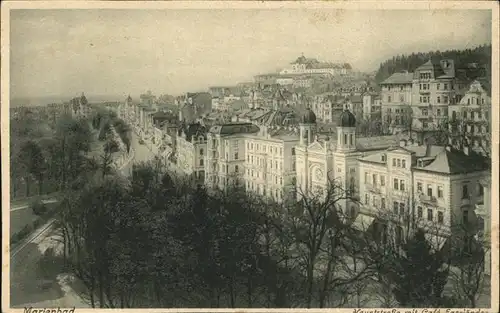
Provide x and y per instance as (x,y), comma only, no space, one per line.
(117,52)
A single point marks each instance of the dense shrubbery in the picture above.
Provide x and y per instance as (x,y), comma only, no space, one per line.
(462,58)
(158,241)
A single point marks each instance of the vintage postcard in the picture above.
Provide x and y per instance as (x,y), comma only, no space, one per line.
(250,156)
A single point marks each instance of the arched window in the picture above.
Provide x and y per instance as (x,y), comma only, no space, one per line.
(345,139)
(351,139)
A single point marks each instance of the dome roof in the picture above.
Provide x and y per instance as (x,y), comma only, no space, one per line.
(309,117)
(347,119)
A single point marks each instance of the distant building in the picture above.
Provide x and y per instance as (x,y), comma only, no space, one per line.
(191,147)
(305,65)
(372,105)
(396,101)
(470,119)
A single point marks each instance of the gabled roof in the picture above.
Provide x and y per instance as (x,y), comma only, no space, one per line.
(457,162)
(399,78)
(377,142)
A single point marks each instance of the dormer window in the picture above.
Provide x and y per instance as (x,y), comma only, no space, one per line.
(383,157)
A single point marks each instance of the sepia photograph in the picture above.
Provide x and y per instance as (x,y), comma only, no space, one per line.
(249,155)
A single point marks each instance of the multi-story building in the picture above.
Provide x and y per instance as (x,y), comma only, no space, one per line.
(483,213)
(225,157)
(270,162)
(470,119)
(305,65)
(436,85)
(323,162)
(396,100)
(414,186)
(191,148)
(371,106)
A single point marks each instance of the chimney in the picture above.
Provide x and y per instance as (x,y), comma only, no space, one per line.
(428,149)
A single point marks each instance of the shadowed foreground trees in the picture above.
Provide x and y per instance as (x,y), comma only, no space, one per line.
(156,240)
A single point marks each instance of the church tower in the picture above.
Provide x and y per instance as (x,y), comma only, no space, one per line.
(345,162)
(346,132)
(307,128)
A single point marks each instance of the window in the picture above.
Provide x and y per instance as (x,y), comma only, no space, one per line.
(438,86)
(480,190)
(402,185)
(440,217)
(293,151)
(440,191)
(201,152)
(281,180)
(419,212)
(429,190)
(395,207)
(374,179)
(396,184)
(401,208)
(438,99)
(399,163)
(388,98)
(445,87)
(201,162)
(382,203)
(403,163)
(445,99)
(429,214)
(345,139)
(366,177)
(236,155)
(465,217)
(465,192)
(383,158)
(382,180)
(419,186)
(367,198)
(281,151)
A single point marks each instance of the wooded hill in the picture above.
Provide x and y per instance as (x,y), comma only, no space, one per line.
(477,61)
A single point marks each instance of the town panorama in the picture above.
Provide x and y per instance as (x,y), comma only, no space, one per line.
(313,185)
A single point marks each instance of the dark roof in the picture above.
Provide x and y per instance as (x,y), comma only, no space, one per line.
(457,162)
(234,128)
(347,119)
(193,130)
(309,117)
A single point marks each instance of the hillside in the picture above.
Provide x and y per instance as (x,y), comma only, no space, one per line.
(463,60)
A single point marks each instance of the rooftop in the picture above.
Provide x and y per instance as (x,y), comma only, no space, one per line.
(234,128)
(399,78)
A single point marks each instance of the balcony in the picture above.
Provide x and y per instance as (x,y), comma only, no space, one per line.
(466,200)
(426,199)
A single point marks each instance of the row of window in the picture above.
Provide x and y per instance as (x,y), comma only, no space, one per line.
(400,87)
(399,163)
(439,112)
(401,98)
(259,161)
(430,215)
(430,190)
(374,179)
(252,173)
(398,208)
(261,189)
(264,148)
